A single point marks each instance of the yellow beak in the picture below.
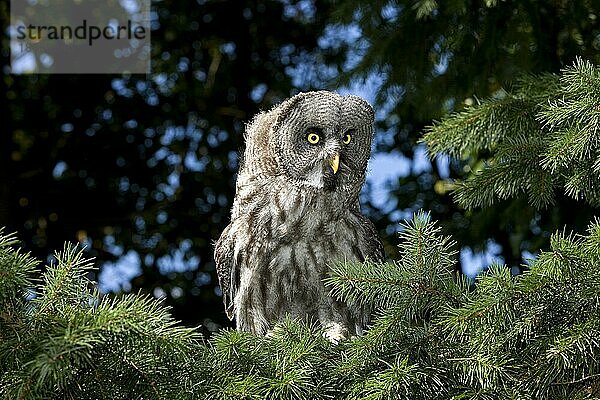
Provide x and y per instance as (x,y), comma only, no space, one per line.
(334,162)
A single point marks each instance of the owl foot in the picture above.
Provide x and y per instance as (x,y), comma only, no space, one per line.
(271,333)
(335,333)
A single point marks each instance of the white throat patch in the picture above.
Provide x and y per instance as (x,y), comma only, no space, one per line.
(315,177)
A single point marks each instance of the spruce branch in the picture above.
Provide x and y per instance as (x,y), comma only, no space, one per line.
(401,379)
(64,283)
(69,342)
(529,336)
(481,127)
(424,269)
(531,331)
(541,136)
(16,269)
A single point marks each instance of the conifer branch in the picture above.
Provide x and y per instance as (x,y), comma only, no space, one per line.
(433,334)
(542,136)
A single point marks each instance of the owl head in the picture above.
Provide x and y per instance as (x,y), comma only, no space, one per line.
(317,140)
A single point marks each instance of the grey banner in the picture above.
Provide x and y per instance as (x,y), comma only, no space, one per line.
(80,36)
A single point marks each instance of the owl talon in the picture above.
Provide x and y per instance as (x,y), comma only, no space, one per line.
(335,333)
(271,333)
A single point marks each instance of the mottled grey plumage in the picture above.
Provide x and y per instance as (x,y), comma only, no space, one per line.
(295,213)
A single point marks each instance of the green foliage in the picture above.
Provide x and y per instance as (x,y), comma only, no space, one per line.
(540,137)
(17,268)
(423,263)
(60,339)
(434,334)
(293,362)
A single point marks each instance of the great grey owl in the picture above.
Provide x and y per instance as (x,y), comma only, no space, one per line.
(296,212)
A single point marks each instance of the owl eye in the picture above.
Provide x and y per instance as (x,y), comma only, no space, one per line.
(312,137)
(347,138)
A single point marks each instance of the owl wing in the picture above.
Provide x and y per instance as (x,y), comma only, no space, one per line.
(369,248)
(372,244)
(227,269)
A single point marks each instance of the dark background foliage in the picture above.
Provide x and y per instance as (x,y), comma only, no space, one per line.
(142,168)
